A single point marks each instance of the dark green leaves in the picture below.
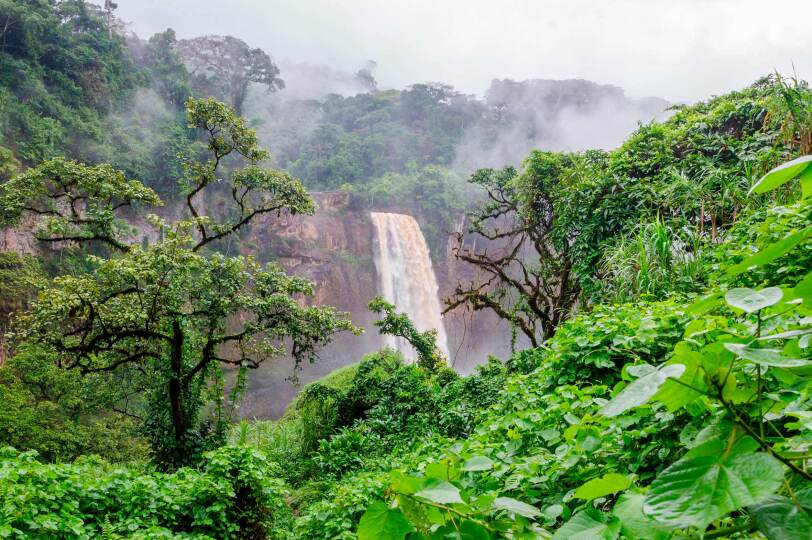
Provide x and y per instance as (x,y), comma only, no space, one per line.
(589,524)
(782,518)
(634,523)
(698,490)
(380,522)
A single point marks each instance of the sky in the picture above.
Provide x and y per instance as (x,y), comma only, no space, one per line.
(680,50)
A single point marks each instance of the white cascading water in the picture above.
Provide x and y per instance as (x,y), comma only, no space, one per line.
(407,277)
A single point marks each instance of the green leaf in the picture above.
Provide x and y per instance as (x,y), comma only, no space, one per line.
(806,183)
(441,492)
(788,334)
(380,522)
(600,487)
(634,523)
(765,357)
(470,530)
(704,304)
(780,518)
(781,175)
(589,524)
(516,507)
(770,253)
(478,463)
(751,301)
(694,492)
(641,390)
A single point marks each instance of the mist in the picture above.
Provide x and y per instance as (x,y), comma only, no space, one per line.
(681,51)
(570,116)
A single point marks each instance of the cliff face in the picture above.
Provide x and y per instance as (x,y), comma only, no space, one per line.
(335,249)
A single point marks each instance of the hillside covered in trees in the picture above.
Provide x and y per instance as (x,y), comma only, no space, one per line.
(655,280)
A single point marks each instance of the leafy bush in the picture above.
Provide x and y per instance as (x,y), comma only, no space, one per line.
(236,494)
(691,416)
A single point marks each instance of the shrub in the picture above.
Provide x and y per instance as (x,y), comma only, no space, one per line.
(235,494)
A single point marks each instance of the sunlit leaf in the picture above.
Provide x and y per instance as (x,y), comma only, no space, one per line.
(704,304)
(478,463)
(440,492)
(806,183)
(640,390)
(766,357)
(788,334)
(751,301)
(781,175)
(516,507)
(771,252)
(603,486)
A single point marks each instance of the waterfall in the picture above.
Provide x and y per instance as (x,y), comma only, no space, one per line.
(407,278)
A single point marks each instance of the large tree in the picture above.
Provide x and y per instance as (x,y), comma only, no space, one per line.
(522,260)
(173,311)
(224,67)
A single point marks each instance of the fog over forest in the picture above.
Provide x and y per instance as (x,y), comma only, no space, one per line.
(424,270)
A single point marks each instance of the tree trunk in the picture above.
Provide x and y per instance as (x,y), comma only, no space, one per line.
(713,228)
(175,389)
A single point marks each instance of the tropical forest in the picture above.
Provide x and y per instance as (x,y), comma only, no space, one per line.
(257,285)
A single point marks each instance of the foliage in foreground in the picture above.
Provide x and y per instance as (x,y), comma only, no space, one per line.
(710,433)
(236,495)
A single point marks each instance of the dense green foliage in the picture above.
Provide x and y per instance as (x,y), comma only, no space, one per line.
(365,136)
(590,225)
(161,316)
(237,494)
(664,286)
(60,71)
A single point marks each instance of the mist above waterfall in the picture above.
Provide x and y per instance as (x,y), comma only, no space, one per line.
(568,115)
(407,278)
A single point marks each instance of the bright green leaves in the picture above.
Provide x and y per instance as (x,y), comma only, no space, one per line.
(380,522)
(227,131)
(695,491)
(274,189)
(442,503)
(478,463)
(74,202)
(589,524)
(782,518)
(766,357)
(782,174)
(771,252)
(751,301)
(641,389)
(603,486)
(441,492)
(515,507)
